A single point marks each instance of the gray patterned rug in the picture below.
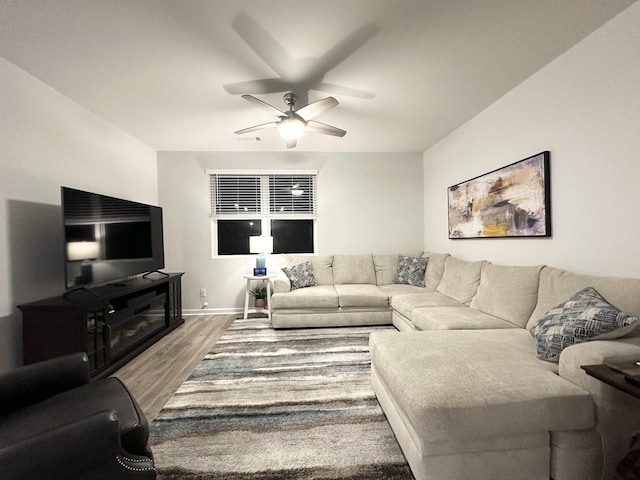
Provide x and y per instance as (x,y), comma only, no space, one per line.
(271,404)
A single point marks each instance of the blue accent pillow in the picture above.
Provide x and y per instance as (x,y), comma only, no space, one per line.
(411,270)
(300,275)
(585,316)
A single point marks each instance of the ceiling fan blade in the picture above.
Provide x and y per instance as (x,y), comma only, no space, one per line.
(340,90)
(318,127)
(291,142)
(316,108)
(258,87)
(264,105)
(347,46)
(256,127)
(263,44)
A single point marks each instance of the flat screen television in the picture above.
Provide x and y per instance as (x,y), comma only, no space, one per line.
(108,239)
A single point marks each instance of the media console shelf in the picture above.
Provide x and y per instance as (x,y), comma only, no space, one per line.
(112,323)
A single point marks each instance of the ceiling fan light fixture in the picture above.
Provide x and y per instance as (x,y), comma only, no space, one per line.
(291,128)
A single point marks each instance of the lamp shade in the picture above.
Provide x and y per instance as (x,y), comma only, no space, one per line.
(261,244)
(291,128)
(82,250)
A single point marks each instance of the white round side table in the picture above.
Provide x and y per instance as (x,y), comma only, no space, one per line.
(252,278)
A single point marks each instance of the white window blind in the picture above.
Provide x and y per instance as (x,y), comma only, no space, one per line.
(235,194)
(269,195)
(292,194)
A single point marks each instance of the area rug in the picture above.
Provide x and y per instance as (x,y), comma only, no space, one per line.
(270,404)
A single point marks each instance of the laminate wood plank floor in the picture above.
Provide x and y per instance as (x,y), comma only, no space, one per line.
(155,374)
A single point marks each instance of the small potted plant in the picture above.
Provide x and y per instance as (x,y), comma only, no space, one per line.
(260,295)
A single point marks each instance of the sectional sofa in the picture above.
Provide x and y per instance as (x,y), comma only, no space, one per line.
(483,380)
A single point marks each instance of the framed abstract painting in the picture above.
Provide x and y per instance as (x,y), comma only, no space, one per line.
(513,201)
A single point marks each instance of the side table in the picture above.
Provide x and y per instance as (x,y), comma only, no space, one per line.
(252,278)
(612,376)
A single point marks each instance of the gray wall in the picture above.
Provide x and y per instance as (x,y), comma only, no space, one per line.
(585,108)
(48,141)
(368,203)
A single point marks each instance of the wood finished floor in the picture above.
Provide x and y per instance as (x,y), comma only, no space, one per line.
(155,374)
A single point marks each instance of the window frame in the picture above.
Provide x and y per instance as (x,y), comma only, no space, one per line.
(264,214)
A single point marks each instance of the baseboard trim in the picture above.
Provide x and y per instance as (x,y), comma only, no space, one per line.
(211,311)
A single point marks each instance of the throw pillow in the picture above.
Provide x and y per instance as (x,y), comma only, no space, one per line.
(411,270)
(300,275)
(585,316)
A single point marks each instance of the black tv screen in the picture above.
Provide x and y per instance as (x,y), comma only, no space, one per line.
(108,239)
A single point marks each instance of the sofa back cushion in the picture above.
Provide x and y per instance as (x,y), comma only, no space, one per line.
(557,286)
(386,267)
(435,269)
(353,269)
(508,292)
(322,266)
(460,279)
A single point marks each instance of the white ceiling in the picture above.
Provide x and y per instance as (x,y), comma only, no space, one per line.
(406,72)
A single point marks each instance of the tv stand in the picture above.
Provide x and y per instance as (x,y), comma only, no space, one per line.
(113,325)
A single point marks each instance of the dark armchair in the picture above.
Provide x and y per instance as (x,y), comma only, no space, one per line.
(56,424)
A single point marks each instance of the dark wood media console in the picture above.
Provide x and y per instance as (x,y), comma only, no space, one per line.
(112,323)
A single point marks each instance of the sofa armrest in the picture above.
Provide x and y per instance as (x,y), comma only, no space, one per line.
(281,283)
(33,383)
(70,451)
(596,353)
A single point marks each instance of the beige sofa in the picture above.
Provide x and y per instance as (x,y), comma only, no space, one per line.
(350,290)
(461,384)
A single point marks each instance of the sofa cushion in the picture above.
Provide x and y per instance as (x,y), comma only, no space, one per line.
(455,318)
(508,292)
(557,285)
(356,295)
(300,275)
(321,296)
(435,269)
(460,279)
(473,384)
(322,266)
(405,304)
(400,289)
(386,267)
(585,316)
(354,269)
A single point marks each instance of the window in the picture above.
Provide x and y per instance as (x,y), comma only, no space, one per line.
(282,205)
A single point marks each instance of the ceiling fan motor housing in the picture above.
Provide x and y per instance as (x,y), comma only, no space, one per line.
(290,99)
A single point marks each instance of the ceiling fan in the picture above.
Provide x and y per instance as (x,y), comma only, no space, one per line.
(293,123)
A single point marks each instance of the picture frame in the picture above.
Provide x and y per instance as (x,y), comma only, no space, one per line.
(512,201)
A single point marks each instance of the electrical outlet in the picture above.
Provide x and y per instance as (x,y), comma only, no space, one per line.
(203,292)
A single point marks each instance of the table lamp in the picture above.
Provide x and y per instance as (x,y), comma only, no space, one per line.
(85,253)
(260,245)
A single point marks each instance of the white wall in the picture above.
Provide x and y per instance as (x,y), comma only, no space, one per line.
(368,203)
(585,108)
(47,141)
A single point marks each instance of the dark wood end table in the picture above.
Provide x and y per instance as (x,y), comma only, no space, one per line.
(612,377)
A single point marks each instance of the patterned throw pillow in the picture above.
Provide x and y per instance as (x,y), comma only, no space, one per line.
(585,316)
(411,270)
(300,275)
